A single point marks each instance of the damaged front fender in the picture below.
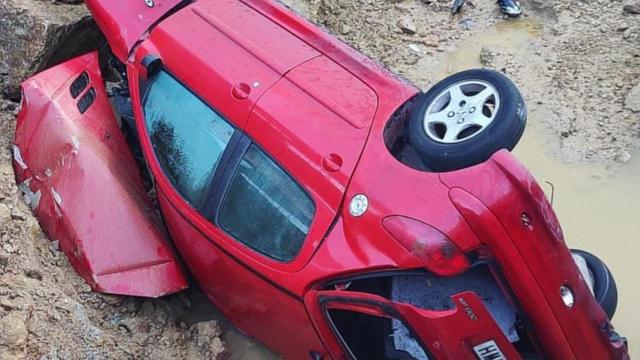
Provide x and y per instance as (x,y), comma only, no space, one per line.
(81,180)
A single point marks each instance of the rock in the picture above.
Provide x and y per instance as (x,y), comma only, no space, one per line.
(632,101)
(407,25)
(111,299)
(128,324)
(13,331)
(8,106)
(624,157)
(467,24)
(147,309)
(632,8)
(85,288)
(217,347)
(6,169)
(345,29)
(5,216)
(487,57)
(54,247)
(622,27)
(8,248)
(630,34)
(206,338)
(33,274)
(432,44)
(206,330)
(18,214)
(415,48)
(35,35)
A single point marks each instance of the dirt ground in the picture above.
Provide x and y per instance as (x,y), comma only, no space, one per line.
(576,63)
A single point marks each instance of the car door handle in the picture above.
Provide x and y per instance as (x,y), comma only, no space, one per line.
(241,91)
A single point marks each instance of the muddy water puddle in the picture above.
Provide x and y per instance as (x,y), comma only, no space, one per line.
(514,35)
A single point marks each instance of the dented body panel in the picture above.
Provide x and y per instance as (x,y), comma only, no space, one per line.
(84,187)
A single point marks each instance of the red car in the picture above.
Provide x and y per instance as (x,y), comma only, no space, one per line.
(325,206)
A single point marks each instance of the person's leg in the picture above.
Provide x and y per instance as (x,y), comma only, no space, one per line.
(510,7)
(456,5)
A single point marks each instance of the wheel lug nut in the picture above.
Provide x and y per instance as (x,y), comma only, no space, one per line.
(451,114)
(460,121)
(472,110)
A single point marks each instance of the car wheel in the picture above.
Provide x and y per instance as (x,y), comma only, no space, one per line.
(466,118)
(604,286)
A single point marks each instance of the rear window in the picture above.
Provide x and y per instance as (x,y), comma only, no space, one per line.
(265,209)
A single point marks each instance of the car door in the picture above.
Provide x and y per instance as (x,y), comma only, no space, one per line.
(216,187)
(356,325)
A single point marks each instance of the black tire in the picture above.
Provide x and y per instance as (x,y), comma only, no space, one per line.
(503,132)
(604,287)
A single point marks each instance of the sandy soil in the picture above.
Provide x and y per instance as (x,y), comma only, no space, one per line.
(575,62)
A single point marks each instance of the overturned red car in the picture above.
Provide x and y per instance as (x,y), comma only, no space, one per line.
(327,207)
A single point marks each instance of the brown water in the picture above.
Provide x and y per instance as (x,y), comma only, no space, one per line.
(598,205)
(513,35)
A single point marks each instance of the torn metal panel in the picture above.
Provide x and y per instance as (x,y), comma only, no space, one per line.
(81,180)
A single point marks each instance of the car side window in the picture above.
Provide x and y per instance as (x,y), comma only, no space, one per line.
(265,209)
(188,137)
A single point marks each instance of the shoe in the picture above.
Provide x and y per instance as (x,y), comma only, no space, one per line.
(510,7)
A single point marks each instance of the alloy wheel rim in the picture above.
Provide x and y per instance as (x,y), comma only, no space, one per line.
(461,111)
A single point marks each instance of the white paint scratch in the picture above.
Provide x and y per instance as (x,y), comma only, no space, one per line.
(76,142)
(17,156)
(56,196)
(31,198)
